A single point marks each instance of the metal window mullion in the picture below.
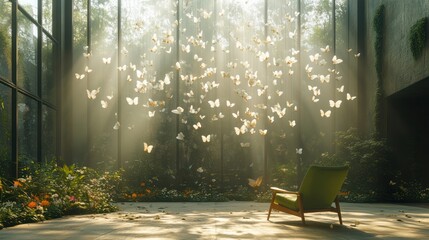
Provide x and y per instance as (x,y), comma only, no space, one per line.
(119,85)
(15,166)
(39,83)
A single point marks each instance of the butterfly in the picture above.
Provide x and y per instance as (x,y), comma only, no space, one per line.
(104,104)
(79,76)
(147,148)
(178,67)
(235,115)
(325,49)
(151,113)
(200,170)
(255,183)
(197,125)
(215,103)
(341,89)
(186,48)
(325,78)
(180,136)
(335,104)
(298,151)
(263,132)
(229,104)
(336,60)
(271,119)
(350,97)
(292,123)
(116,126)
(132,101)
(205,138)
(93,93)
(325,114)
(107,60)
(241,130)
(87,69)
(357,55)
(244,145)
(178,110)
(314,99)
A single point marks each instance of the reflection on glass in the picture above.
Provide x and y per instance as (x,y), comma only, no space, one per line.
(5,132)
(47,15)
(27,131)
(30,6)
(48,81)
(27,54)
(49,133)
(5,40)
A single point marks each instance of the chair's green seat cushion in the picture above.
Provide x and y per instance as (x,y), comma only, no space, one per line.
(287,200)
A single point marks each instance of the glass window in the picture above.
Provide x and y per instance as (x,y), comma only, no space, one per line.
(48,81)
(27,54)
(47,15)
(31,7)
(5,131)
(27,131)
(5,40)
(49,133)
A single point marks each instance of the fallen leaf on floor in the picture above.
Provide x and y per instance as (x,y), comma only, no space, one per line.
(183,219)
(408,216)
(157,217)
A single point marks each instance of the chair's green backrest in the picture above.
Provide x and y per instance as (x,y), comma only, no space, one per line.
(321,185)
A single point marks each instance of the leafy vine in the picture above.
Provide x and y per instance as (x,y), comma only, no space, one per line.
(378,25)
(417,37)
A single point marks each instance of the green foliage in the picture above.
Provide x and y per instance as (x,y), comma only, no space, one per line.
(378,25)
(49,191)
(367,158)
(417,37)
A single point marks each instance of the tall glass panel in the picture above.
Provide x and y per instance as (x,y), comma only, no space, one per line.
(30,6)
(49,134)
(5,131)
(27,131)
(27,54)
(48,61)
(47,15)
(5,40)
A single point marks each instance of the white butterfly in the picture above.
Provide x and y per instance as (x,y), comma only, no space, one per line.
(271,119)
(202,117)
(87,69)
(178,110)
(341,89)
(107,60)
(186,48)
(229,104)
(314,57)
(278,74)
(357,55)
(147,148)
(197,125)
(292,34)
(200,170)
(325,114)
(205,138)
(180,136)
(325,78)
(178,67)
(335,104)
(235,115)
(298,151)
(151,113)
(93,93)
(104,104)
(122,68)
(241,130)
(79,76)
(336,60)
(292,123)
(325,49)
(314,99)
(245,145)
(116,126)
(350,97)
(215,103)
(263,132)
(279,93)
(132,101)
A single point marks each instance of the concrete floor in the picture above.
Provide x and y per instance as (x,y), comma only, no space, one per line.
(230,220)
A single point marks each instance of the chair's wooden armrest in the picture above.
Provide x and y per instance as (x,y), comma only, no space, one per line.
(341,193)
(279,190)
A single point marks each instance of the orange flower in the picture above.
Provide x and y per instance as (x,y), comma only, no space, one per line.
(17,183)
(134,195)
(47,196)
(45,203)
(148,191)
(32,204)
(142,184)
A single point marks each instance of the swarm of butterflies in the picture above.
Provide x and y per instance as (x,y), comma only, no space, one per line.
(201,77)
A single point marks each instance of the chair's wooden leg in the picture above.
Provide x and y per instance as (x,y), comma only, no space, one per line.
(337,206)
(301,209)
(271,206)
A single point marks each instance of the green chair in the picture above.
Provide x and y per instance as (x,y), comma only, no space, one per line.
(319,189)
